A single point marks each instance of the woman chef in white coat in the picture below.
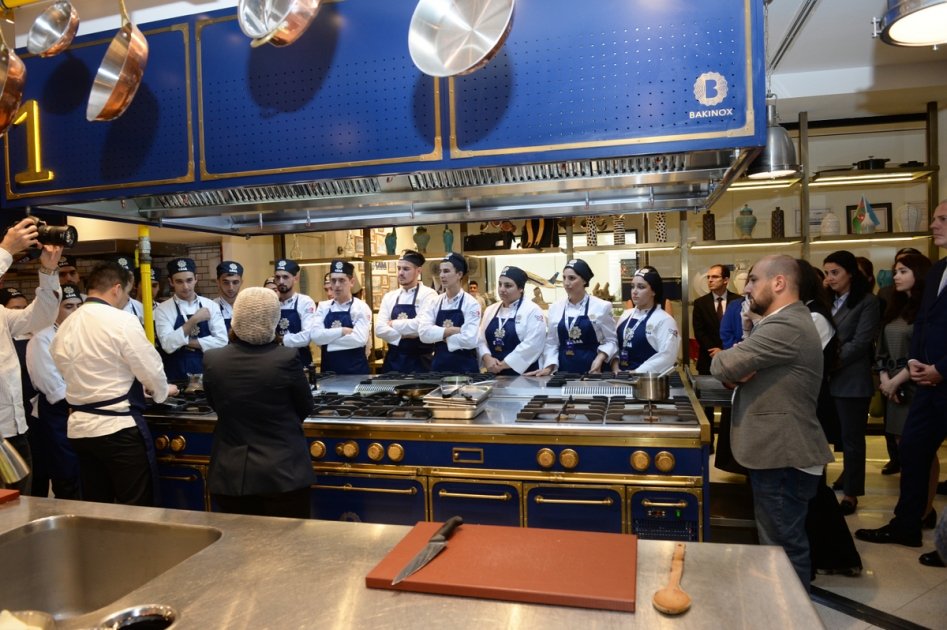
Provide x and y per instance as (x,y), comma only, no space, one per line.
(647,336)
(580,336)
(513,330)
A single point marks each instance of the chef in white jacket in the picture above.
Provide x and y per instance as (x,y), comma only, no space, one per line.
(513,330)
(397,320)
(647,335)
(452,322)
(342,325)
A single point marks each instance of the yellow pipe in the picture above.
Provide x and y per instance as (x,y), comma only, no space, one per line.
(144,267)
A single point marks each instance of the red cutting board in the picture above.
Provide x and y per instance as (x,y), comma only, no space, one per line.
(8,495)
(540,566)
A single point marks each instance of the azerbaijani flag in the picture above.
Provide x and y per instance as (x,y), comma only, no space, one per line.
(864,218)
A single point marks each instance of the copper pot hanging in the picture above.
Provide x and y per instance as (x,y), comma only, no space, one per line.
(120,73)
(53,30)
(12,78)
(454,37)
(276,22)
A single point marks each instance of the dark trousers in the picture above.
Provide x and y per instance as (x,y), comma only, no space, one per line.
(22,445)
(114,468)
(924,432)
(830,541)
(292,504)
(853,419)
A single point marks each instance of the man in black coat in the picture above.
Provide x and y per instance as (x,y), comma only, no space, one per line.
(926,428)
(708,311)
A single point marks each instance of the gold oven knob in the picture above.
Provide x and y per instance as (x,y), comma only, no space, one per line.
(161,442)
(640,460)
(569,458)
(178,443)
(348,449)
(317,449)
(664,461)
(395,452)
(376,452)
(545,457)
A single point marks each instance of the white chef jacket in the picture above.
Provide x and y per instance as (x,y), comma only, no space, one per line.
(530,324)
(172,339)
(392,330)
(661,333)
(40,313)
(134,307)
(43,372)
(226,309)
(600,314)
(469,332)
(306,307)
(100,350)
(333,338)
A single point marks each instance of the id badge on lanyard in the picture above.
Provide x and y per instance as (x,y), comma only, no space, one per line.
(575,335)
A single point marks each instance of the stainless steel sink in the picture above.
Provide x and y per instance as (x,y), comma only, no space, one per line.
(71,565)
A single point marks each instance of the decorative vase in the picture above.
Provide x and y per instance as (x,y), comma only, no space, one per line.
(908,218)
(421,239)
(591,232)
(830,225)
(710,228)
(745,222)
(448,236)
(661,227)
(391,242)
(778,223)
(619,229)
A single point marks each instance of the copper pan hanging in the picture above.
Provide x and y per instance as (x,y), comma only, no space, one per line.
(120,73)
(53,30)
(276,22)
(12,78)
(454,37)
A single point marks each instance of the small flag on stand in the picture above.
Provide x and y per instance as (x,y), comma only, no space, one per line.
(864,218)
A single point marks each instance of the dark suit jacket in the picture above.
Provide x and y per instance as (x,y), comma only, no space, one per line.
(929,340)
(856,328)
(774,423)
(707,327)
(261,397)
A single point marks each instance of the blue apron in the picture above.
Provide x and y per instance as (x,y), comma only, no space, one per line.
(226,319)
(410,355)
(578,344)
(503,341)
(351,361)
(458,361)
(635,348)
(136,401)
(291,322)
(185,360)
(61,459)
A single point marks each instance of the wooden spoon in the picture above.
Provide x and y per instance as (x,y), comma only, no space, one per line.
(671,599)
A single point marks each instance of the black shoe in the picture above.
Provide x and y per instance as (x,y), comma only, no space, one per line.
(931,559)
(888,534)
(929,521)
(837,484)
(942,487)
(891,468)
(847,506)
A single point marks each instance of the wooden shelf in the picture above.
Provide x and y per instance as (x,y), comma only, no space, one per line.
(633,247)
(854,238)
(747,243)
(514,252)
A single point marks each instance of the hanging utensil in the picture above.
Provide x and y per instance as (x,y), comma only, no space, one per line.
(454,37)
(120,73)
(276,22)
(12,78)
(53,30)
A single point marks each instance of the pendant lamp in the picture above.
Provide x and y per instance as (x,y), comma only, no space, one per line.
(913,23)
(778,158)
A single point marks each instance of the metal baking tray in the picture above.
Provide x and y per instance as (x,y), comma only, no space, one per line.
(456,413)
(466,396)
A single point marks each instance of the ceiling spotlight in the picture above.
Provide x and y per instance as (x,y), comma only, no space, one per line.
(913,23)
(778,158)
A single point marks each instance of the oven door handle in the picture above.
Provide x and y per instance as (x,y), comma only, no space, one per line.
(446,494)
(676,504)
(606,501)
(350,488)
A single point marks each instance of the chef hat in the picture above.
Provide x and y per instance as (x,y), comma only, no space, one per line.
(342,266)
(413,257)
(228,267)
(457,261)
(70,292)
(66,262)
(287,265)
(256,314)
(8,293)
(653,278)
(179,265)
(515,274)
(581,268)
(155,274)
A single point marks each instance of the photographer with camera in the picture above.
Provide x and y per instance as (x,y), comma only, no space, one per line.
(40,314)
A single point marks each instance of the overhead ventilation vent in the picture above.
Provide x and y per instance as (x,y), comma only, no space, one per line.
(322,189)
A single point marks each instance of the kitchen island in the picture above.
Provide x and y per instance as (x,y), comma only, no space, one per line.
(287,573)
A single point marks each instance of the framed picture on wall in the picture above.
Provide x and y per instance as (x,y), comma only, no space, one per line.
(393,266)
(379,266)
(882,211)
(815,221)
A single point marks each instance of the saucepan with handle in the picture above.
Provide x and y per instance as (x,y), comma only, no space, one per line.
(12,78)
(650,387)
(455,37)
(120,73)
(53,30)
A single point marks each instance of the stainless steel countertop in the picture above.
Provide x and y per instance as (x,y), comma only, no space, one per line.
(287,573)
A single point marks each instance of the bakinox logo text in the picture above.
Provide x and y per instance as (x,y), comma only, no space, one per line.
(710,89)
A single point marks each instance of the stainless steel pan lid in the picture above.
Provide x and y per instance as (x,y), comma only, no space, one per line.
(53,30)
(452,37)
(119,75)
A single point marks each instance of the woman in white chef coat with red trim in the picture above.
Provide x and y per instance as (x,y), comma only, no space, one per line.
(513,330)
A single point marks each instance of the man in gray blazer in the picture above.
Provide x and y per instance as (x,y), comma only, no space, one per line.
(775,433)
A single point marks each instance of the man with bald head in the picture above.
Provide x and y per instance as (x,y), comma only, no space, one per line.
(775,435)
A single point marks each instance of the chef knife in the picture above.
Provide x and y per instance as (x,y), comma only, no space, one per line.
(434,546)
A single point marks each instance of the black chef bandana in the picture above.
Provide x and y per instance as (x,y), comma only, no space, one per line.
(457,261)
(653,278)
(229,266)
(154,274)
(287,265)
(342,266)
(7,294)
(581,268)
(66,262)
(180,265)
(413,257)
(125,262)
(70,292)
(515,274)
